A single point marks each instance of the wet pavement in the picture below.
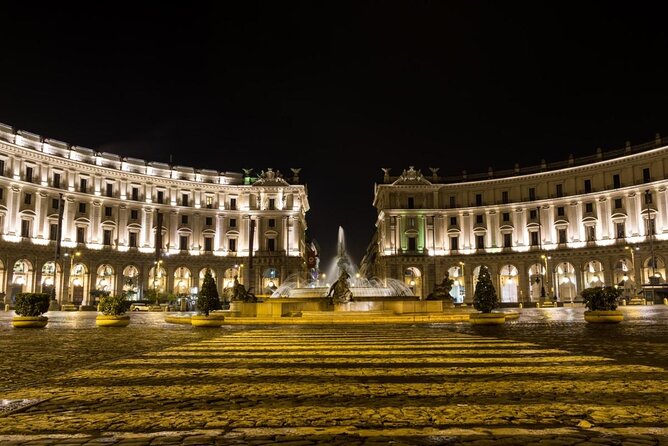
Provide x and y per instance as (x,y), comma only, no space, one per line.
(548,378)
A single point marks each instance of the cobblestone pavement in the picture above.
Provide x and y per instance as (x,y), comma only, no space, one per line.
(346,385)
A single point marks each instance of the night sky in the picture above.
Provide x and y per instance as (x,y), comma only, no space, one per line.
(339,89)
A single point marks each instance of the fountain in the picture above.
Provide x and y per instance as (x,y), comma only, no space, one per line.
(360,287)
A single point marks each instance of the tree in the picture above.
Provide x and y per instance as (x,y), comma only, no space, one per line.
(485,298)
(207,299)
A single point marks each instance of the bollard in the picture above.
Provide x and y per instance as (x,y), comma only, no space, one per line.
(521,305)
(7,307)
(665,300)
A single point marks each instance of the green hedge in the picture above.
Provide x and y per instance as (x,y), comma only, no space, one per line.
(32,304)
(114,305)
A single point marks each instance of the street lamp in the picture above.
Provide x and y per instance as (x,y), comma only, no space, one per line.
(542,284)
(70,290)
(462,286)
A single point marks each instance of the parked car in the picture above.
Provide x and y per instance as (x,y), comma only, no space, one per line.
(139,306)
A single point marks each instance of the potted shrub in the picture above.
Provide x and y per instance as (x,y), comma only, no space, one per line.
(601,304)
(29,309)
(208,301)
(485,300)
(113,309)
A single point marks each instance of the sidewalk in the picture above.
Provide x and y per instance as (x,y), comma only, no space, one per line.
(347,385)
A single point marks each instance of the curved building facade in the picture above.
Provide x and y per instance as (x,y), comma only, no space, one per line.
(545,232)
(80,222)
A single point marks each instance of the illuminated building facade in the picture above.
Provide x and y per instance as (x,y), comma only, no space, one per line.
(114,210)
(545,232)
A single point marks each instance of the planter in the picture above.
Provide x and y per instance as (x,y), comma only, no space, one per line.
(29,321)
(212,320)
(487,318)
(604,316)
(103,320)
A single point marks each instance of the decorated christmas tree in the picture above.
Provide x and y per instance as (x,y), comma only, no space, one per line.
(208,299)
(485,298)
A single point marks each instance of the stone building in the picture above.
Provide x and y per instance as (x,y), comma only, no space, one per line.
(546,232)
(115,211)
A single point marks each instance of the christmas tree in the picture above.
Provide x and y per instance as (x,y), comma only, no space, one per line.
(207,299)
(485,298)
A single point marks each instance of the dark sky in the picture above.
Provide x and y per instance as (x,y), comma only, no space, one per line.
(339,89)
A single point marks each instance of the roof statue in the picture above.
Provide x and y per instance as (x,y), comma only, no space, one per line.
(270,178)
(411,176)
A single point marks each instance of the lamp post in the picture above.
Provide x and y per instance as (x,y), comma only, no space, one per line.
(542,283)
(650,234)
(70,290)
(463,284)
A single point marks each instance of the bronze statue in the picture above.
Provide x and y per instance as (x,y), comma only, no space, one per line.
(442,290)
(339,292)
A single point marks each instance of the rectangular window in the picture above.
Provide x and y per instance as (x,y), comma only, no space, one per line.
(453,202)
(232,245)
(411,203)
(160,198)
(504,197)
(561,233)
(272,222)
(532,193)
(560,190)
(2,168)
(478,219)
(108,211)
(506,216)
(591,233)
(589,207)
(106,237)
(134,214)
(272,204)
(135,193)
(27,199)
(233,222)
(209,202)
(271,244)
(648,197)
(533,214)
(453,221)
(478,199)
(25,228)
(29,174)
(534,238)
(651,226)
(620,230)
(233,204)
(81,234)
(618,203)
(587,186)
(184,219)
(82,208)
(83,185)
(208,221)
(2,193)
(53,231)
(412,244)
(645,175)
(561,211)
(184,199)
(183,242)
(454,243)
(480,241)
(616,181)
(507,240)
(410,222)
(133,240)
(110,189)
(56,179)
(208,244)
